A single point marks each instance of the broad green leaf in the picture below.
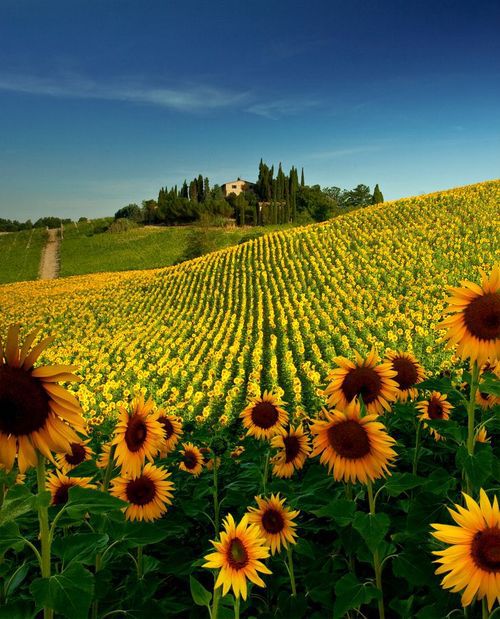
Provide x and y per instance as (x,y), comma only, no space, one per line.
(87,500)
(350,593)
(9,536)
(401,482)
(18,501)
(16,579)
(490,384)
(372,528)
(69,593)
(143,533)
(81,547)
(200,595)
(340,510)
(443,385)
(477,467)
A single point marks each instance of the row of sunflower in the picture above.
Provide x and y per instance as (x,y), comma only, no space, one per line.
(273,313)
(369,429)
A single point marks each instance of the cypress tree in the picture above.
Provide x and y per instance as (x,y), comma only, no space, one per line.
(184,190)
(377,195)
(302,183)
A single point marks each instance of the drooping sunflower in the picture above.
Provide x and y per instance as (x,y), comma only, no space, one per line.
(36,413)
(172,427)
(192,459)
(472,561)
(355,448)
(59,484)
(80,452)
(148,493)
(473,324)
(364,379)
(138,435)
(103,458)
(488,400)
(293,451)
(275,521)
(264,417)
(238,556)
(409,373)
(436,407)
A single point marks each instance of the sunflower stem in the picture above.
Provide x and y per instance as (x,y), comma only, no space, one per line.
(471,438)
(43,519)
(215,602)
(140,563)
(484,607)
(237,607)
(265,474)
(109,469)
(417,447)
(291,572)
(377,565)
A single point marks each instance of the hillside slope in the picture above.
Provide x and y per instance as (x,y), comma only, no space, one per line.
(203,335)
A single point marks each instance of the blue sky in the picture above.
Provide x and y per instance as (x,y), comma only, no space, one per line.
(104,101)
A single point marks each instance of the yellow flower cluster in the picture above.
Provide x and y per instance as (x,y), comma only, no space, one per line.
(205,335)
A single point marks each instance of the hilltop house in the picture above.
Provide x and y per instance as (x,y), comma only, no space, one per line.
(237,186)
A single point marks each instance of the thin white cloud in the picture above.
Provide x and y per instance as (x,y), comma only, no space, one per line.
(191,98)
(277,108)
(344,152)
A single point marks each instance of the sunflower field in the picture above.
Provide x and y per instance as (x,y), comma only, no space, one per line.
(305,425)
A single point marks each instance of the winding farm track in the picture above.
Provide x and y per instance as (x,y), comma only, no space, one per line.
(49,262)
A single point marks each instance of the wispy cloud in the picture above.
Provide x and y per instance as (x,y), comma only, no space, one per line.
(189,98)
(277,108)
(344,152)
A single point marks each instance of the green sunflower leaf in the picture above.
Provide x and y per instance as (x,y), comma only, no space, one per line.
(350,593)
(479,466)
(372,528)
(69,593)
(200,595)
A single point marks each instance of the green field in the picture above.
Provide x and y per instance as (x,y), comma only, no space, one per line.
(20,255)
(139,248)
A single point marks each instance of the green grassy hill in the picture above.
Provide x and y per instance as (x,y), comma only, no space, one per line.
(20,255)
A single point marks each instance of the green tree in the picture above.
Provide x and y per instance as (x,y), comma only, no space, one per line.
(377,197)
(131,211)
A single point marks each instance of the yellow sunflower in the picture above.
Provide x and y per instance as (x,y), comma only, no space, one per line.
(363,378)
(488,400)
(35,412)
(264,417)
(356,448)
(59,484)
(192,459)
(80,452)
(238,555)
(474,321)
(293,451)
(138,435)
(473,558)
(275,521)
(436,407)
(148,493)
(409,373)
(482,436)
(172,427)
(103,459)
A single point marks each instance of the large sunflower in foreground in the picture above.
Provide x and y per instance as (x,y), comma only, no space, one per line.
(80,452)
(172,427)
(192,459)
(148,493)
(409,373)
(473,558)
(364,379)
(293,451)
(436,407)
(264,417)
(138,435)
(355,448)
(36,414)
(238,556)
(474,321)
(59,484)
(275,521)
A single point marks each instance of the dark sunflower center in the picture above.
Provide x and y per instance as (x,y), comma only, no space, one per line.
(167,426)
(364,382)
(482,316)
(485,550)
(264,415)
(407,374)
(349,439)
(61,494)
(141,491)
(435,409)
(24,403)
(136,433)
(190,460)
(77,455)
(237,555)
(272,521)
(485,396)
(292,448)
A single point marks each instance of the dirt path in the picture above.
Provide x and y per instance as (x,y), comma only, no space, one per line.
(49,263)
